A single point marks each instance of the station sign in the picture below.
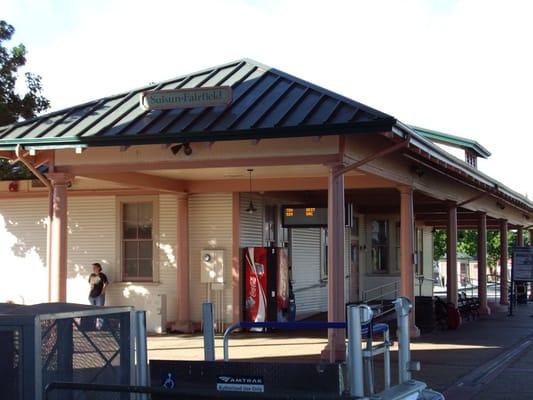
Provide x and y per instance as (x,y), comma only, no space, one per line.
(186,98)
(304,217)
(523,264)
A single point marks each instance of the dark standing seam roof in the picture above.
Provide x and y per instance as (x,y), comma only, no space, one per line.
(266,103)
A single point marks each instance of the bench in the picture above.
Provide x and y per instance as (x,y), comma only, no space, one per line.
(468,306)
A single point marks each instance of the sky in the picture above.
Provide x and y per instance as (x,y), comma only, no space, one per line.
(460,67)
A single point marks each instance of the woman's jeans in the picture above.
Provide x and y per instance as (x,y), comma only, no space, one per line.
(97,301)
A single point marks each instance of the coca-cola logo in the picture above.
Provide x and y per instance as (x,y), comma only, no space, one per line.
(253,286)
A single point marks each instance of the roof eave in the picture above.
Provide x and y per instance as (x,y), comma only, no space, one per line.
(430,148)
(447,139)
(381,125)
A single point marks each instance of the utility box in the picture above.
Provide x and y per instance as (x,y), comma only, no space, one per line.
(212,266)
(61,342)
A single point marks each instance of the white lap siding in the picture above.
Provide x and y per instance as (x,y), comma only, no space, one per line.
(251,225)
(23,250)
(210,227)
(94,236)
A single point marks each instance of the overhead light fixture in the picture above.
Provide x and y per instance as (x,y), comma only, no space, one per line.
(251,208)
(187,150)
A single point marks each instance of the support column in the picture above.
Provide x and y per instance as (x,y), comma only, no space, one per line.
(407,271)
(183,320)
(236,260)
(451,254)
(520,236)
(531,244)
(336,348)
(482,264)
(49,241)
(504,289)
(520,243)
(58,237)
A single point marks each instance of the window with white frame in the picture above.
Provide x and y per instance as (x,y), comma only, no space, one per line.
(396,268)
(418,247)
(137,240)
(379,251)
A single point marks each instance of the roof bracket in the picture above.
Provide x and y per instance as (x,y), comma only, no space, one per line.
(391,149)
(470,200)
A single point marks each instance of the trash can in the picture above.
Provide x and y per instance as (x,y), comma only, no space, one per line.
(425,313)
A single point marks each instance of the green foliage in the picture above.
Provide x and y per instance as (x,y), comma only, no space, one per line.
(439,244)
(13,105)
(467,243)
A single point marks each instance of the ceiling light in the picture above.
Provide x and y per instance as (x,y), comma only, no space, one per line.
(251,208)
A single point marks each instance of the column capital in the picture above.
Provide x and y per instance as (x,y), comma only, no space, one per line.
(59,178)
(481,213)
(182,196)
(405,189)
(450,203)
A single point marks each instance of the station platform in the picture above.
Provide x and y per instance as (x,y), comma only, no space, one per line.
(483,359)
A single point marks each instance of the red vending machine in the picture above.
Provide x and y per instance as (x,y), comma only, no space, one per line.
(266,284)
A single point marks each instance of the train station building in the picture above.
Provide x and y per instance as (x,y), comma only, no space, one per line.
(147,186)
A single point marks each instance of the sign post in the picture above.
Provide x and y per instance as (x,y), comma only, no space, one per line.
(521,269)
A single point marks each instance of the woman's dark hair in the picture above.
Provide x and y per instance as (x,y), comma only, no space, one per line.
(98,266)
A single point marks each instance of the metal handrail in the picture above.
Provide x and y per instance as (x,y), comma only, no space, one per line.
(284,325)
(396,289)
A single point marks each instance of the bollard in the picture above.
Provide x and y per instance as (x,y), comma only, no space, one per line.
(209,332)
(386,360)
(143,376)
(357,315)
(403,307)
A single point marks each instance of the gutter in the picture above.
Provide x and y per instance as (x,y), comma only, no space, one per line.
(479,179)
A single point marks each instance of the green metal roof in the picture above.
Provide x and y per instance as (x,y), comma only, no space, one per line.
(267,103)
(452,140)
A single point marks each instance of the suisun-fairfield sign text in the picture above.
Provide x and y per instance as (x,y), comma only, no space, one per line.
(186,98)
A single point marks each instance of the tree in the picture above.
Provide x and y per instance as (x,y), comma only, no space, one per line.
(467,243)
(15,106)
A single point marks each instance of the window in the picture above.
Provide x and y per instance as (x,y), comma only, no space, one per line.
(418,247)
(419,251)
(380,246)
(137,241)
(396,267)
(354,228)
(471,158)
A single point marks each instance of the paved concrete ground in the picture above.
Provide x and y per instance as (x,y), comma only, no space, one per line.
(489,358)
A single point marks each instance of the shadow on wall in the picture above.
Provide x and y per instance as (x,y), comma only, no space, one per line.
(23,262)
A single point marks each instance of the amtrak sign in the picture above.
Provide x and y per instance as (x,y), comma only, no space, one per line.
(186,98)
